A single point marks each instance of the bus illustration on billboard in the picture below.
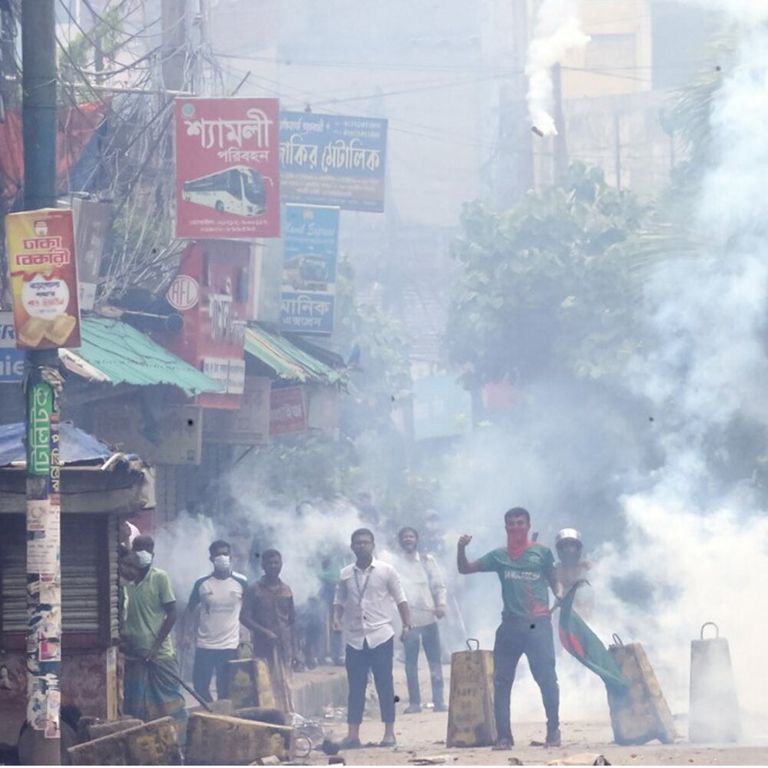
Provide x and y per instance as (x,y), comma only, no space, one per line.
(239,190)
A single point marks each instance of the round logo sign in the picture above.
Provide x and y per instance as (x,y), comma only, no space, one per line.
(183,292)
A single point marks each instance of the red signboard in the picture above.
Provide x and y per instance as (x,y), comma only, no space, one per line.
(41,261)
(227,168)
(287,411)
(210,292)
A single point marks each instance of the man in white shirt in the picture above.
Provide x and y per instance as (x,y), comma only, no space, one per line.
(362,607)
(425,590)
(219,597)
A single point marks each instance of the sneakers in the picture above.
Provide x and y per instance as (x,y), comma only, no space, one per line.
(439,708)
(503,745)
(553,737)
(412,709)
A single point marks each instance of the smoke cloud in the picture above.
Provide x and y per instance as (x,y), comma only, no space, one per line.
(557,31)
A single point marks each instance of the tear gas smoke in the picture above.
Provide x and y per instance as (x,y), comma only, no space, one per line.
(686,543)
(747,12)
(557,31)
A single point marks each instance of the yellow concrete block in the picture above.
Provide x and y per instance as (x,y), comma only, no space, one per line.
(640,713)
(470,713)
(221,740)
(153,743)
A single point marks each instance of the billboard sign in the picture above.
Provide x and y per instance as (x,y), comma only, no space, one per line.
(227,168)
(333,160)
(310,237)
(41,261)
(11,359)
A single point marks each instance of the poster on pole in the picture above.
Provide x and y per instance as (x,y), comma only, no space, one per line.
(41,260)
(310,247)
(227,168)
(333,160)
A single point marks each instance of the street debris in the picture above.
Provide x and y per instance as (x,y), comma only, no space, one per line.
(582,758)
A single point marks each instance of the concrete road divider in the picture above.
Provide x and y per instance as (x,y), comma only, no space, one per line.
(221,740)
(153,743)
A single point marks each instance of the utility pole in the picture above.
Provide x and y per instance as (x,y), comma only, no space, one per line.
(560,141)
(174,45)
(42,389)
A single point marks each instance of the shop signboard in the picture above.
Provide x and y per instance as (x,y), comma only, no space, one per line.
(11,359)
(288,411)
(333,160)
(40,248)
(227,168)
(310,236)
(210,292)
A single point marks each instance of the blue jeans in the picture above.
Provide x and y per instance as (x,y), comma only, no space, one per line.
(208,661)
(379,661)
(429,636)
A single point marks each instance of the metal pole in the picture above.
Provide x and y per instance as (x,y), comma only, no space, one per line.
(43,384)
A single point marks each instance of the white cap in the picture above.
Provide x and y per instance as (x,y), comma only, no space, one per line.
(568,534)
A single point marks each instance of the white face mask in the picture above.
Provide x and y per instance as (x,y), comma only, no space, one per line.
(144,558)
(221,562)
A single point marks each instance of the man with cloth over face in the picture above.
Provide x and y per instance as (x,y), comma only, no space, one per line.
(526,571)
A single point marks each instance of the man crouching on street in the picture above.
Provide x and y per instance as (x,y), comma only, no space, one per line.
(525,570)
(367,592)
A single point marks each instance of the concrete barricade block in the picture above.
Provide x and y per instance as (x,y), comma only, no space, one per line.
(221,740)
(106,728)
(153,743)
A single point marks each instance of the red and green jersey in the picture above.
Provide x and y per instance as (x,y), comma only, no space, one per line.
(524,580)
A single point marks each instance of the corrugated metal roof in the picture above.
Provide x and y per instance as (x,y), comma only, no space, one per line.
(286,359)
(77,447)
(115,352)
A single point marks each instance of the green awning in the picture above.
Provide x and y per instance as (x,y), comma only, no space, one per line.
(115,352)
(287,360)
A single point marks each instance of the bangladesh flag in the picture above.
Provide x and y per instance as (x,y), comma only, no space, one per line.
(582,643)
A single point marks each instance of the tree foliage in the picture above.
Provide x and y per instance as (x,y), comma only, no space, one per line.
(546,286)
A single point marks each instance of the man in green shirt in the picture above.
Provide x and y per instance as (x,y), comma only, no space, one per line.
(151,690)
(526,571)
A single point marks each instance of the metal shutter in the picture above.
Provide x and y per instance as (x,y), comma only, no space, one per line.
(82,540)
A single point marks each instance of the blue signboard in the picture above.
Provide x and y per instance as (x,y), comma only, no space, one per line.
(333,160)
(11,359)
(310,246)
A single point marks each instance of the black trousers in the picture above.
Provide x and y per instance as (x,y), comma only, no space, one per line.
(532,637)
(208,661)
(379,661)
(429,636)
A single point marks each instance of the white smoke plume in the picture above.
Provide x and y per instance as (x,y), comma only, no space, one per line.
(557,31)
(697,542)
(746,12)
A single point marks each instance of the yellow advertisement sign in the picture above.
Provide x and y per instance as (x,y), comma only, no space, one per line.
(41,261)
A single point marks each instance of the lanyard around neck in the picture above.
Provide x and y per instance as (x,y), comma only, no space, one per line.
(361,590)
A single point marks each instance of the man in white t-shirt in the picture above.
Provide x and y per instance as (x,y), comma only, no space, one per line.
(217,599)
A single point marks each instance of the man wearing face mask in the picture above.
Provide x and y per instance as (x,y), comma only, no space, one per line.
(526,571)
(216,601)
(150,613)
